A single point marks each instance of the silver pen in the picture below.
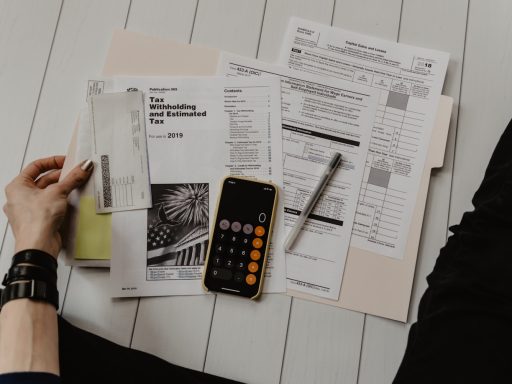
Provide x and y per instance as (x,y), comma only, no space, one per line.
(324,179)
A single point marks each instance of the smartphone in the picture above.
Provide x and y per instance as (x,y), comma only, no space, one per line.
(239,242)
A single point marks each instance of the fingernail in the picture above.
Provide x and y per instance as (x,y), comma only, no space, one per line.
(87,165)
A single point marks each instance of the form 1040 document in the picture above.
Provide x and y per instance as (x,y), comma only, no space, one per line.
(319,116)
(409,80)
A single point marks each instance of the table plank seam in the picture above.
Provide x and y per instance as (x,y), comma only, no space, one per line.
(361,350)
(192,29)
(457,123)
(209,333)
(400,21)
(128,14)
(286,340)
(35,108)
(134,322)
(333,11)
(261,29)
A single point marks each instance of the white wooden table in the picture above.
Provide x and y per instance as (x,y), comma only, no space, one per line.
(48,48)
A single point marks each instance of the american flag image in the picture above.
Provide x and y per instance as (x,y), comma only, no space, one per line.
(160,236)
(177,229)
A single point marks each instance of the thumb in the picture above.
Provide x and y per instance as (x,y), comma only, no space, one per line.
(77,177)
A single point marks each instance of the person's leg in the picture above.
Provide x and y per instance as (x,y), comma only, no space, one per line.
(87,358)
(464,328)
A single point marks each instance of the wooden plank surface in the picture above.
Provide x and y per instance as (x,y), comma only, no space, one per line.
(235,26)
(27,28)
(121,313)
(485,98)
(318,336)
(230,25)
(247,338)
(294,340)
(89,306)
(376,18)
(163,18)
(173,328)
(80,45)
(275,22)
(439,25)
(323,344)
(448,34)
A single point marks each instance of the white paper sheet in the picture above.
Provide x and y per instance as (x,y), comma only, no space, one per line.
(121,175)
(410,80)
(199,130)
(319,116)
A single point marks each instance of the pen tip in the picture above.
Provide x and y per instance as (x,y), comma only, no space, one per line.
(335,160)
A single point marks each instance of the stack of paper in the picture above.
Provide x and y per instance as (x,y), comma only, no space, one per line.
(320,116)
(199,131)
(373,101)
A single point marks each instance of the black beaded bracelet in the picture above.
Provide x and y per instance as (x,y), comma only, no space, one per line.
(35,257)
(29,272)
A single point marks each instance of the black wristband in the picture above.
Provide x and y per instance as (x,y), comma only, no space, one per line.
(36,257)
(34,290)
(29,272)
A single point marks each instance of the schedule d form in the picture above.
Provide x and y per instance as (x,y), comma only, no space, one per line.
(409,80)
(320,116)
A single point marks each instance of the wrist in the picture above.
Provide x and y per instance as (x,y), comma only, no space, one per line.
(51,250)
(24,242)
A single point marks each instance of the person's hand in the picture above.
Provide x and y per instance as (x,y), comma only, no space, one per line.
(37,201)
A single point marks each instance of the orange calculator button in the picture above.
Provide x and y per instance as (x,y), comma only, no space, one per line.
(250,279)
(255,255)
(253,267)
(259,230)
(257,243)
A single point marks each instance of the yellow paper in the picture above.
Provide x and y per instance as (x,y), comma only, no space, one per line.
(94,232)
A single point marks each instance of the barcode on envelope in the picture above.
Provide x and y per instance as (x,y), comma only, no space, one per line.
(105,178)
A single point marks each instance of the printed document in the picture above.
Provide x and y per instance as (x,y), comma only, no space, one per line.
(121,178)
(410,81)
(199,130)
(319,116)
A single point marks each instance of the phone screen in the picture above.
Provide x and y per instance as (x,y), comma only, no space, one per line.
(240,237)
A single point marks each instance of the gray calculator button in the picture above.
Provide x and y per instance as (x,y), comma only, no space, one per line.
(224,224)
(236,226)
(248,229)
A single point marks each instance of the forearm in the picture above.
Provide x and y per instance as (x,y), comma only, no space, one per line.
(29,337)
(35,207)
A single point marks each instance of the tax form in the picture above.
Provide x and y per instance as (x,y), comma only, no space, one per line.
(319,116)
(409,80)
(199,130)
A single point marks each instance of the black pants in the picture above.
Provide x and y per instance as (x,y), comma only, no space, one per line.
(87,358)
(464,328)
